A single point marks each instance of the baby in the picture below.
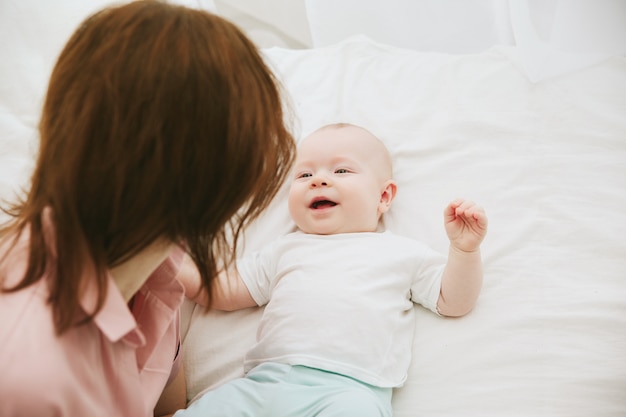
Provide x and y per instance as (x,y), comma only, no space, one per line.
(335,337)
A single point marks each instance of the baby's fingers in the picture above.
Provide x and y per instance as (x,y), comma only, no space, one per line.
(477,214)
(461,208)
(466,211)
(452,209)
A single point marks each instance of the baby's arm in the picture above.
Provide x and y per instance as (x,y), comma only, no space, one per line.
(228,290)
(466,226)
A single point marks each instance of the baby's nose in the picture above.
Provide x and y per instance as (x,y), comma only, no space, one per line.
(319,181)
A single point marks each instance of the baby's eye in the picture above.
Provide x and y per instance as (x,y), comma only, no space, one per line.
(304,175)
(341,171)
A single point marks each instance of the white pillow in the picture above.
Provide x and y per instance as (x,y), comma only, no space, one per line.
(553,37)
(447,26)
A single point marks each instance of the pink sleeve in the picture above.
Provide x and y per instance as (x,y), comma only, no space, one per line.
(178,361)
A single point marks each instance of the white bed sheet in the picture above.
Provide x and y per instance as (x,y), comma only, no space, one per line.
(548,163)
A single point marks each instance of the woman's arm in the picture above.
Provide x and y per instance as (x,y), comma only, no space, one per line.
(174,396)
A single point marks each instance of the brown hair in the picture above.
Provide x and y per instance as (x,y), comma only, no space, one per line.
(160,121)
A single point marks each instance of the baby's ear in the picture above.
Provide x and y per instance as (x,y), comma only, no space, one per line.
(387,195)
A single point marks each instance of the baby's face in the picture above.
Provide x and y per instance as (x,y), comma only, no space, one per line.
(339,182)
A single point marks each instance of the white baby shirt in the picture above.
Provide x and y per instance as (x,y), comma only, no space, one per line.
(342,303)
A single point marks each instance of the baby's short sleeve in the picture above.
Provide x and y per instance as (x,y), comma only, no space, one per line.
(257,271)
(426,282)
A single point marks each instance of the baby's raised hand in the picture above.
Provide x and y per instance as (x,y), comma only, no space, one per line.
(466,224)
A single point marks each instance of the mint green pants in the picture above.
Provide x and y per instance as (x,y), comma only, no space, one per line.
(278,390)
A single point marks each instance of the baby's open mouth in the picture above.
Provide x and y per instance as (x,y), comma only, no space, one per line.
(322,204)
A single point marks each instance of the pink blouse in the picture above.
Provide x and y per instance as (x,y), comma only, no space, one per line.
(116,365)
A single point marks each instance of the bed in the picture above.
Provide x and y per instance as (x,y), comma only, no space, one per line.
(546,158)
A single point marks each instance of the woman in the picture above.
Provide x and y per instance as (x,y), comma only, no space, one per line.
(162,133)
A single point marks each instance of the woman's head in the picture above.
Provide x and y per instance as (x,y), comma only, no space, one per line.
(160,121)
